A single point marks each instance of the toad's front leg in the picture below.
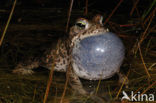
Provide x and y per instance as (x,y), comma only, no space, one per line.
(74,81)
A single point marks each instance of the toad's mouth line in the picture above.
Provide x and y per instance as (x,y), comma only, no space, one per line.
(97,32)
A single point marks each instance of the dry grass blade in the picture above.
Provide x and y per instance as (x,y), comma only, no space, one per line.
(134,7)
(65,87)
(97,88)
(86,8)
(150,68)
(144,34)
(149,9)
(122,86)
(148,18)
(10,16)
(34,95)
(69,13)
(148,88)
(143,61)
(112,12)
(51,74)
(139,89)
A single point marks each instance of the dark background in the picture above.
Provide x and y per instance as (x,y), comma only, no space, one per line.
(102,5)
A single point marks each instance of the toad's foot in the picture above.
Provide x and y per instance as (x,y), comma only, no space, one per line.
(23,71)
(123,79)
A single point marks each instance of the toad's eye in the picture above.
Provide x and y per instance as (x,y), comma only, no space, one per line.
(82,23)
(79,24)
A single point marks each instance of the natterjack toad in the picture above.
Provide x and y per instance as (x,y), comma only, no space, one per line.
(90,51)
